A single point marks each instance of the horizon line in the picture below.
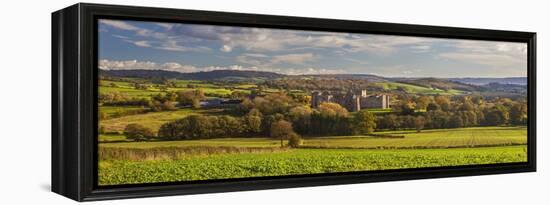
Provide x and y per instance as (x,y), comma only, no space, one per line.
(250,70)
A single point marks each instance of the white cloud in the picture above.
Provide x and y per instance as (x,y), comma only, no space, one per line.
(119,24)
(166,26)
(120,36)
(157,40)
(295,58)
(142,43)
(171,45)
(267,61)
(420,48)
(494,60)
(504,55)
(271,40)
(226,48)
(173,66)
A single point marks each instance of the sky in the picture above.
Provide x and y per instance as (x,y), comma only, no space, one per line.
(188,48)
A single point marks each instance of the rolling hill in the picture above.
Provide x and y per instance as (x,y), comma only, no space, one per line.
(230,75)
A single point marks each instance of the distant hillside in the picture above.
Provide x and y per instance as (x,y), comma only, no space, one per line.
(485,81)
(438,83)
(368,77)
(229,75)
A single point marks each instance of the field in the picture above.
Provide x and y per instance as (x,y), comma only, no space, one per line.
(208,88)
(145,162)
(415,89)
(298,161)
(152,120)
(447,138)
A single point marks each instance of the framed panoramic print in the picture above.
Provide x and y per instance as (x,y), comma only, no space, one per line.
(154,102)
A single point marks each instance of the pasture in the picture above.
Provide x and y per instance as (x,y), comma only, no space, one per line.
(151,120)
(438,138)
(415,89)
(208,88)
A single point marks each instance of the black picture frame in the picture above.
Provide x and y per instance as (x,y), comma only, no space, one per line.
(74,91)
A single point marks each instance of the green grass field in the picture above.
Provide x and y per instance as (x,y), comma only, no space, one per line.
(112,111)
(443,138)
(152,120)
(208,88)
(415,89)
(298,161)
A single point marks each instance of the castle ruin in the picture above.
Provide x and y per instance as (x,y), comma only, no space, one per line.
(352,101)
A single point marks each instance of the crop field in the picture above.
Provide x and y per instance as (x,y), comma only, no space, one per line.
(298,161)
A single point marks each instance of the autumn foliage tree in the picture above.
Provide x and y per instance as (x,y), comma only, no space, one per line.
(192,97)
(138,132)
(282,130)
(364,122)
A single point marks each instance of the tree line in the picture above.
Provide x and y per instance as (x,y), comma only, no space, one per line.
(285,117)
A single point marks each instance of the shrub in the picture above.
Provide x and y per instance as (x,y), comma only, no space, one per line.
(138,132)
(294,140)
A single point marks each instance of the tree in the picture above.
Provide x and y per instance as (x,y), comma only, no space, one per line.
(405,107)
(301,118)
(436,119)
(422,102)
(498,115)
(432,107)
(294,140)
(167,105)
(192,97)
(253,121)
(389,122)
(138,132)
(330,119)
(101,129)
(139,86)
(238,94)
(456,121)
(332,109)
(419,123)
(518,114)
(227,126)
(364,123)
(102,115)
(281,129)
(273,103)
(444,102)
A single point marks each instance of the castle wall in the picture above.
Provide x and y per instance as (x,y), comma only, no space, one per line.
(352,102)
